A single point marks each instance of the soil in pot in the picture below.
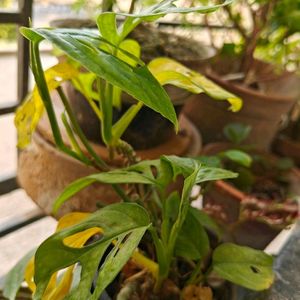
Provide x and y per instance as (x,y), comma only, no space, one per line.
(263,108)
(257,205)
(148,129)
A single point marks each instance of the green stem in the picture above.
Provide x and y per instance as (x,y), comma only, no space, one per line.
(73,140)
(98,161)
(121,193)
(196,275)
(105,95)
(132,5)
(41,83)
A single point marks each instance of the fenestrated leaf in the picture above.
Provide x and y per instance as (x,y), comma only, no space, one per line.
(168,71)
(192,241)
(84,46)
(15,277)
(31,110)
(112,177)
(123,223)
(244,266)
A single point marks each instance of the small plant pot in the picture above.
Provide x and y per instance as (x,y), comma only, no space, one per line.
(248,219)
(262,110)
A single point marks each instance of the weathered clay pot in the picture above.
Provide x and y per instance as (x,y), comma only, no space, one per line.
(248,220)
(285,146)
(263,111)
(44,172)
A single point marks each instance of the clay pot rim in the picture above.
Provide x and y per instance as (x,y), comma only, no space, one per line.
(229,187)
(191,144)
(244,89)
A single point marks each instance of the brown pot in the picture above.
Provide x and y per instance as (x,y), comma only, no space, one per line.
(285,146)
(44,172)
(248,220)
(262,111)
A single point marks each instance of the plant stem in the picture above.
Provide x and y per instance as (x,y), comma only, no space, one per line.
(73,140)
(132,5)
(99,162)
(41,83)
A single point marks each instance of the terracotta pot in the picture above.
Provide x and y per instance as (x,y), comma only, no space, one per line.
(285,146)
(262,111)
(44,172)
(248,220)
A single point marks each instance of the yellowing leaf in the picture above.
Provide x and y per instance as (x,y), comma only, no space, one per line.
(30,111)
(168,71)
(58,290)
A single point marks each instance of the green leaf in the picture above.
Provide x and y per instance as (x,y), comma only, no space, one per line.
(168,7)
(134,48)
(244,266)
(84,46)
(122,223)
(239,157)
(112,177)
(157,11)
(236,132)
(107,26)
(210,174)
(192,241)
(168,71)
(206,221)
(15,277)
(210,161)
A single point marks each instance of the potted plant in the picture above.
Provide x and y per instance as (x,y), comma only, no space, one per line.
(263,28)
(114,69)
(262,201)
(175,259)
(84,257)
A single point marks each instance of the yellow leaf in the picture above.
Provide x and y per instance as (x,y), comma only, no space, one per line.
(30,111)
(168,71)
(58,289)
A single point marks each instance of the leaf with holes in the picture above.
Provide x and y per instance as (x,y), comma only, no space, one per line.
(122,223)
(244,266)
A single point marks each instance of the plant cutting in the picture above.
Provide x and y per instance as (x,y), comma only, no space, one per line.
(263,86)
(110,67)
(262,201)
(174,258)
